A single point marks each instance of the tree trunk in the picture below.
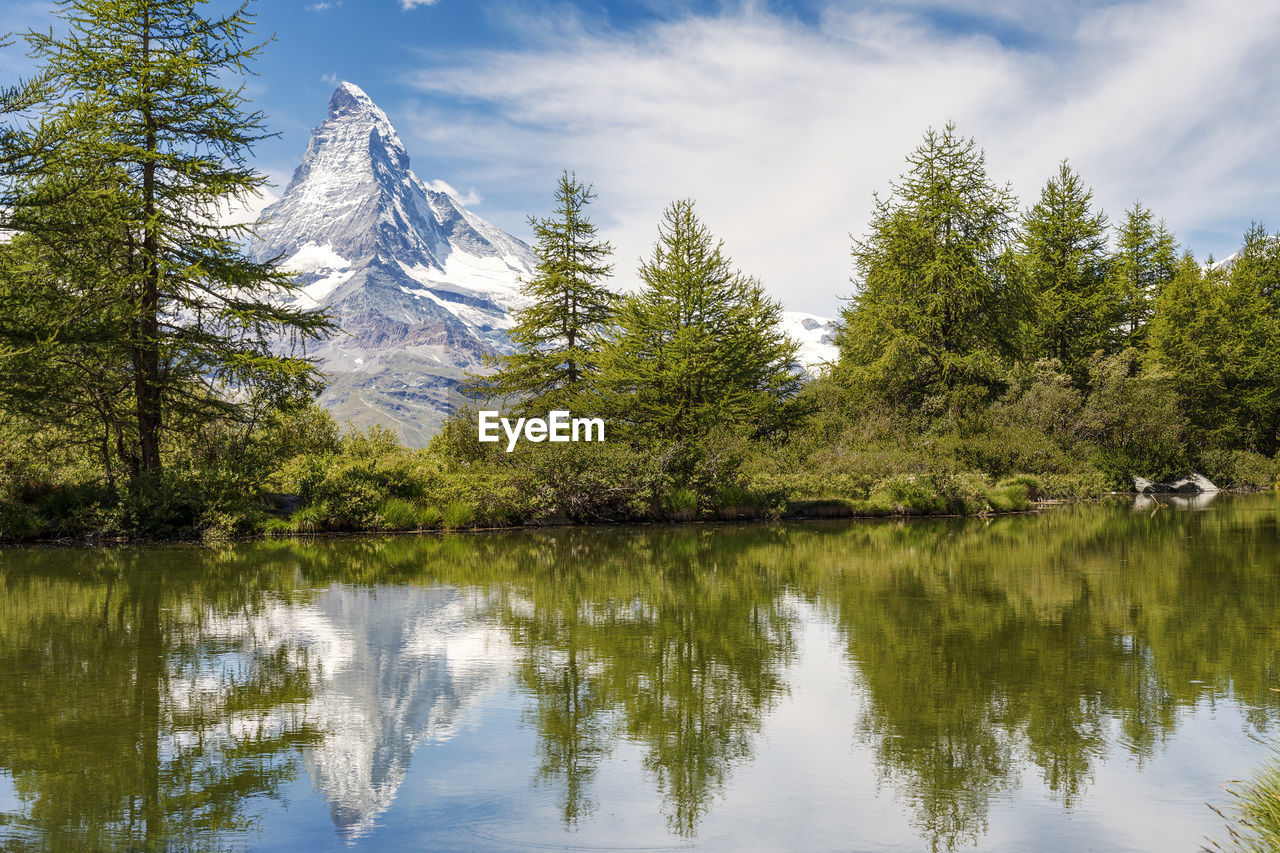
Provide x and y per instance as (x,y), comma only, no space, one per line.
(146,349)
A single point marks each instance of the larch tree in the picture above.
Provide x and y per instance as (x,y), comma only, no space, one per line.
(557,333)
(699,344)
(1062,247)
(1217,335)
(1145,259)
(191,329)
(939,309)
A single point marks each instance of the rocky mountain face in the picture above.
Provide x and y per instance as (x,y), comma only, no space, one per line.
(420,286)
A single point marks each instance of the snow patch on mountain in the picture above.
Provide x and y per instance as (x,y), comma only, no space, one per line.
(816,336)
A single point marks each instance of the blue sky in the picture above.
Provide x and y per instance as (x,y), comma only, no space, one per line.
(782,117)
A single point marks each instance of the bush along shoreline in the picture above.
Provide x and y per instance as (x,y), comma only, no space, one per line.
(334,482)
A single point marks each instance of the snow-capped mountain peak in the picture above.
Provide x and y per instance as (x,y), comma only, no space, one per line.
(420,286)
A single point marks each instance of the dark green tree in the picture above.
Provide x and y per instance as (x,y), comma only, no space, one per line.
(557,334)
(699,344)
(1253,299)
(1217,334)
(190,324)
(1063,253)
(939,305)
(1144,261)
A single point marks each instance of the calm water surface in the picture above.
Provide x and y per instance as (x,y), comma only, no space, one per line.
(1082,679)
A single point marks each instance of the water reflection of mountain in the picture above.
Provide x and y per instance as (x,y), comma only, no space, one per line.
(395,667)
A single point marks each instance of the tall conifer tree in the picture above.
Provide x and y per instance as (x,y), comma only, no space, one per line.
(699,344)
(557,334)
(939,306)
(1144,261)
(1063,252)
(162,143)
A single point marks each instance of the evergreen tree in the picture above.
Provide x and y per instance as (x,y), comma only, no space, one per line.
(699,344)
(1254,303)
(1216,333)
(939,304)
(189,325)
(1062,250)
(557,334)
(1145,259)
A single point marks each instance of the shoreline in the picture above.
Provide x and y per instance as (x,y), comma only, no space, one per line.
(1037,507)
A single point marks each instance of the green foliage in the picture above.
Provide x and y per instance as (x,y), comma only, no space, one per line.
(457,515)
(130,316)
(557,335)
(404,514)
(681,504)
(699,345)
(1133,420)
(1063,254)
(1144,261)
(939,307)
(1239,469)
(1216,334)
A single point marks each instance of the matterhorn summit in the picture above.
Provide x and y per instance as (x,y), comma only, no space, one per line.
(420,286)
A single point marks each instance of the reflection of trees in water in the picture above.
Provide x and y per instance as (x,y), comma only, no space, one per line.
(124,721)
(985,647)
(672,638)
(648,638)
(981,648)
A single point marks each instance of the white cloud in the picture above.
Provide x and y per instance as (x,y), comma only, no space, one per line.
(470,199)
(331,78)
(782,131)
(244,211)
(320,7)
(409,4)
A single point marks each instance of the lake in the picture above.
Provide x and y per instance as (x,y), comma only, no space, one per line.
(1085,678)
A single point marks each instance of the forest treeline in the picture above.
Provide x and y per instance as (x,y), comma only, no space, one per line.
(990,353)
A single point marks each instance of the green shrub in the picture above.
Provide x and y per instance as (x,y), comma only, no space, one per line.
(277,526)
(1013,497)
(400,514)
(19,522)
(1032,486)
(311,519)
(737,502)
(457,515)
(1239,469)
(908,495)
(681,504)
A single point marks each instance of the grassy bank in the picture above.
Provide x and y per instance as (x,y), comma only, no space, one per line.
(298,472)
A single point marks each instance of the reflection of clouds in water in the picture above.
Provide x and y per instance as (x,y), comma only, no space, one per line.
(10,802)
(394,667)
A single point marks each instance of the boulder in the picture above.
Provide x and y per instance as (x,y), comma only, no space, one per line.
(1191,484)
(1194,484)
(1143,486)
